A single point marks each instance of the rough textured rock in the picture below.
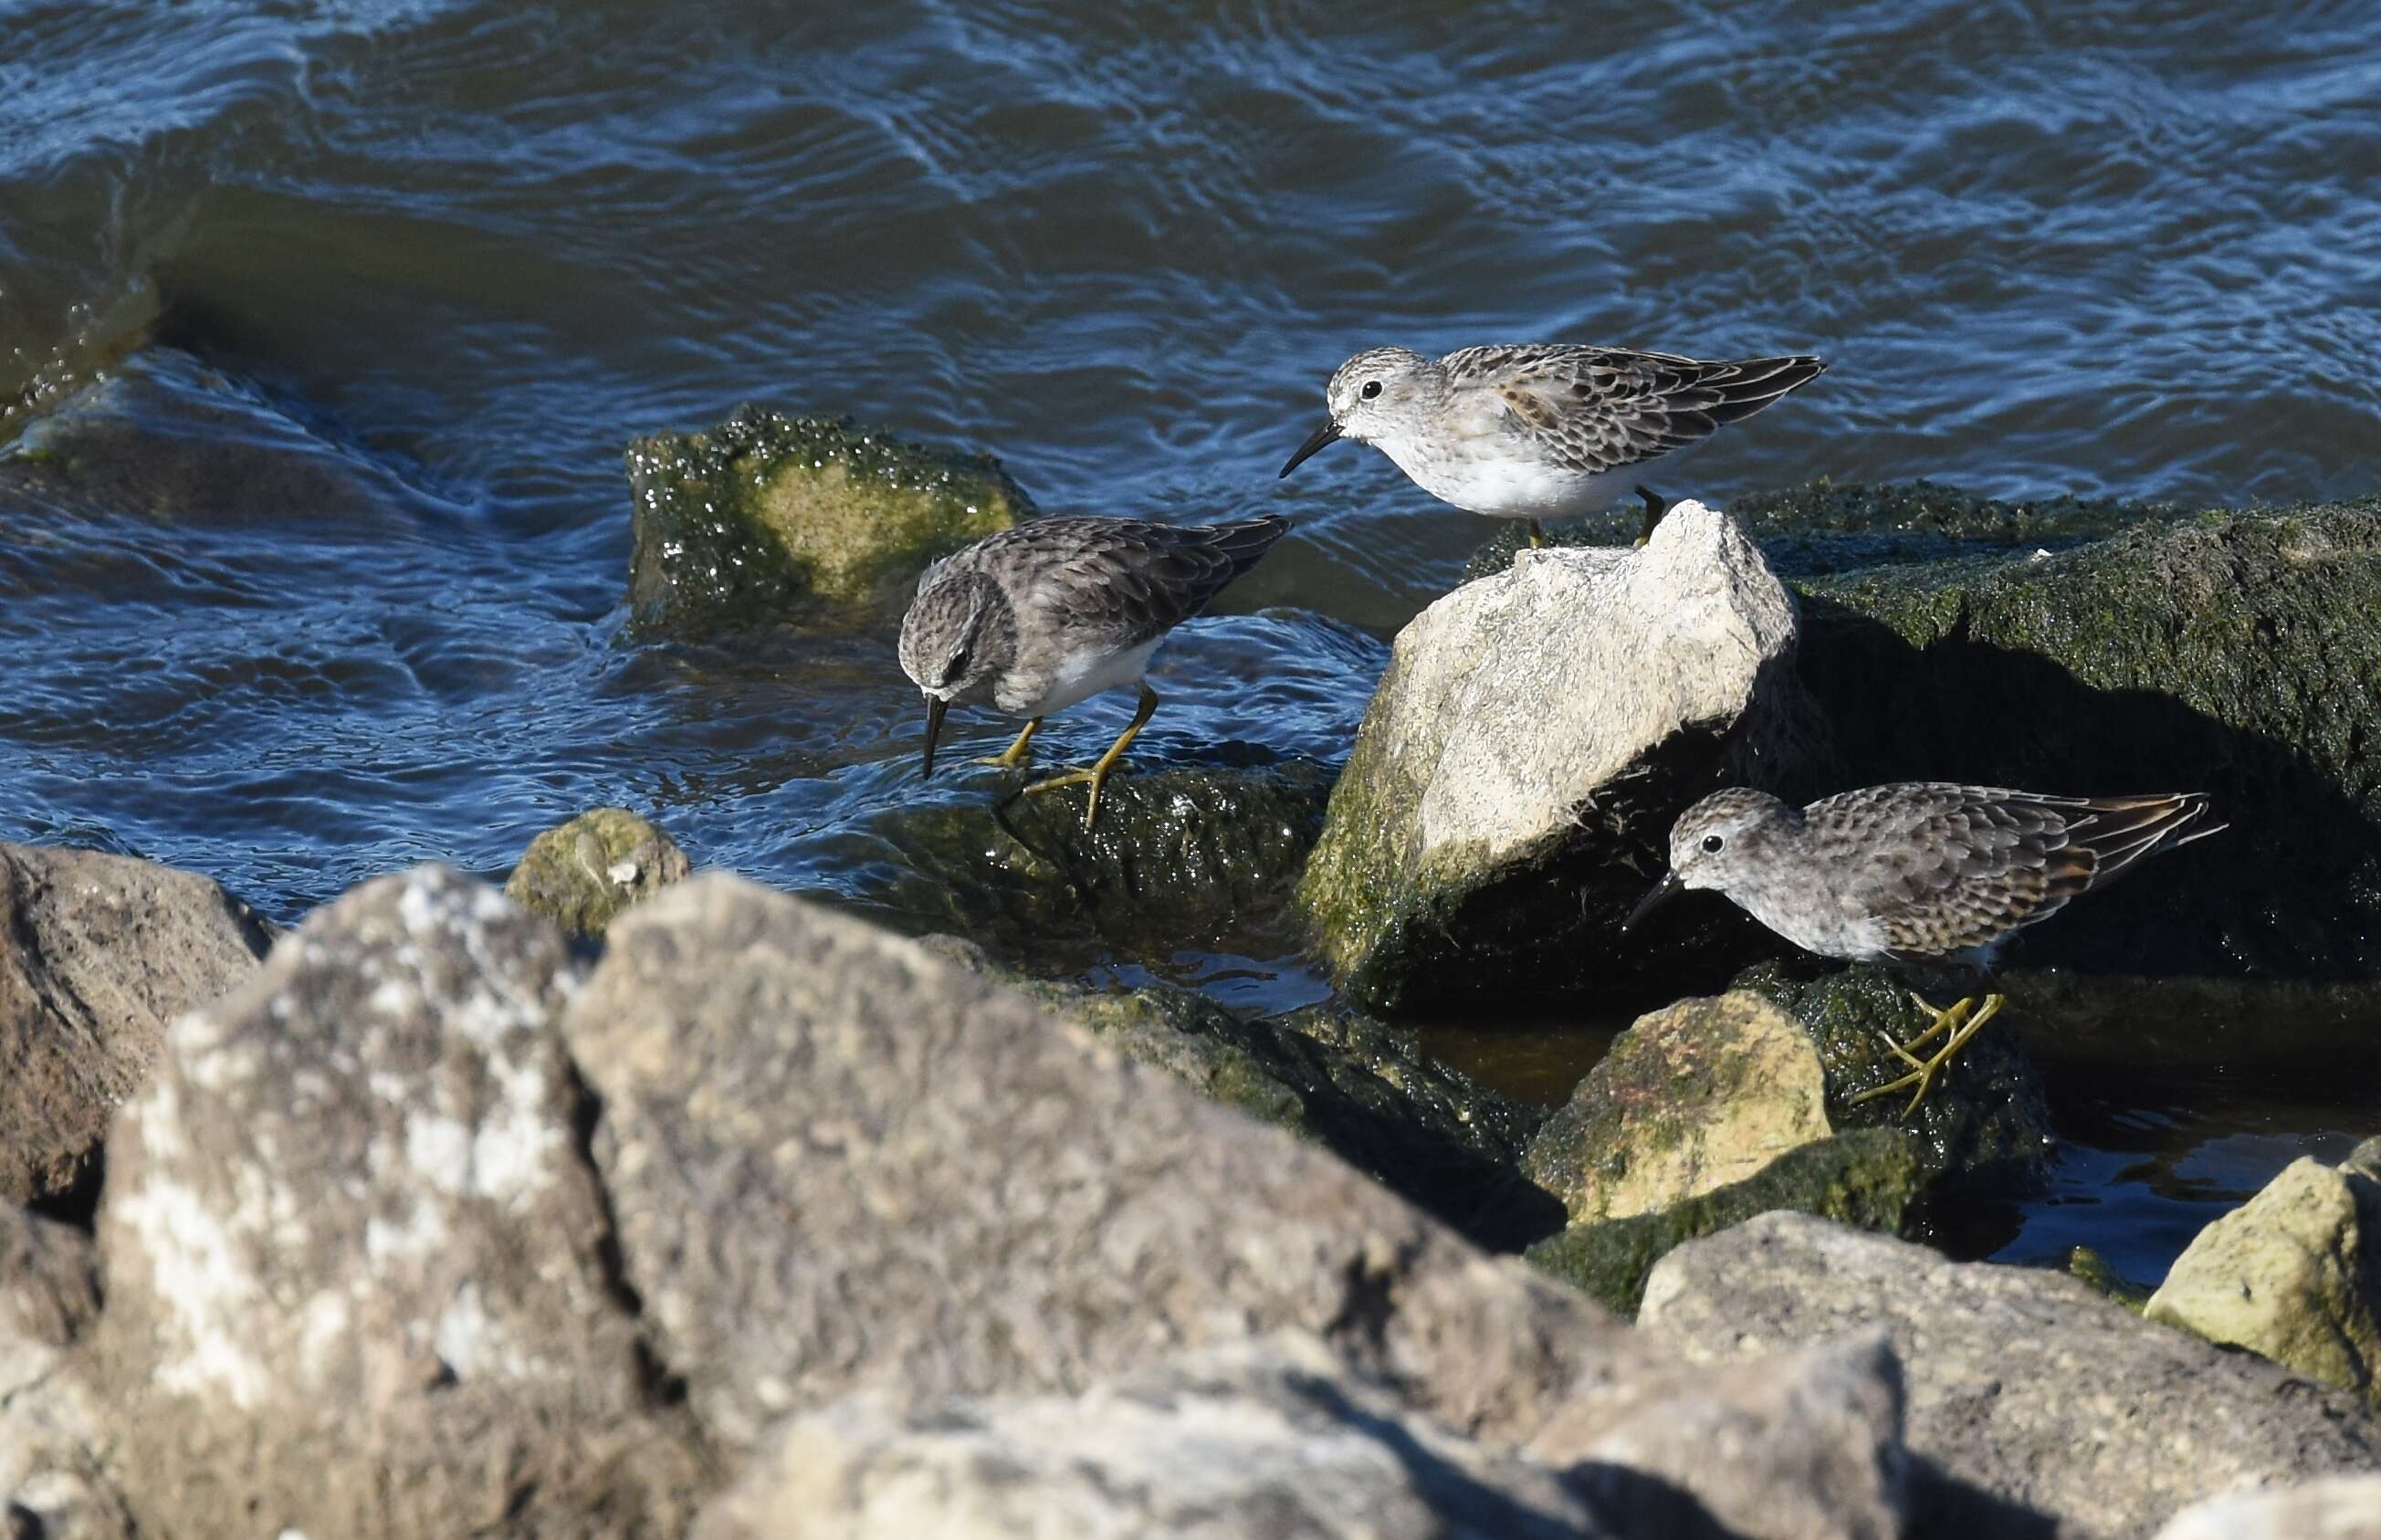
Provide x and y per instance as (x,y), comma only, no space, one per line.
(801,1113)
(1803,1445)
(2237,651)
(1867,1179)
(1361,1089)
(55,1440)
(355,1263)
(1272,1437)
(2028,1395)
(766,517)
(585,872)
(1689,1098)
(2294,1274)
(1187,857)
(98,953)
(2339,1508)
(1533,736)
(1984,1125)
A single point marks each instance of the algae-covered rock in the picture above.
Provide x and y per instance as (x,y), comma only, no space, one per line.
(767,516)
(2099,1275)
(1191,858)
(1691,1097)
(1360,1088)
(583,873)
(1829,526)
(1534,735)
(2236,654)
(2294,1274)
(1984,1122)
(1867,1178)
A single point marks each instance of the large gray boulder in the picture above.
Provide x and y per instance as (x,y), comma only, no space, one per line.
(2337,1507)
(837,1162)
(1534,736)
(2034,1404)
(1272,1436)
(97,954)
(357,1273)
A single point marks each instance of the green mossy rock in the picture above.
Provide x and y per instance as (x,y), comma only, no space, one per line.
(1695,1096)
(2237,653)
(768,518)
(583,873)
(1867,1179)
(1984,1125)
(2098,1274)
(1344,1080)
(1190,858)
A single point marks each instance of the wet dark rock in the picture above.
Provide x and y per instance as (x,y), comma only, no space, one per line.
(1524,756)
(2034,1408)
(1358,1087)
(98,953)
(585,872)
(2232,653)
(359,1275)
(1827,526)
(1189,858)
(767,518)
(1984,1125)
(1867,1179)
(1269,1437)
(800,1111)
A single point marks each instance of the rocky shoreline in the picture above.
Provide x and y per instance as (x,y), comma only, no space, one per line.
(643,1200)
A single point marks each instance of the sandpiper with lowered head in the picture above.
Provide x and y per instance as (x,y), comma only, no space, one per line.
(1034,618)
(1542,430)
(1918,872)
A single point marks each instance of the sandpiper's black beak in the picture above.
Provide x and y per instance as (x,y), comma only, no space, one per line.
(1660,890)
(935,706)
(1325,435)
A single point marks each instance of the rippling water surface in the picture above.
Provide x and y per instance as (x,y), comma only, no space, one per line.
(380,290)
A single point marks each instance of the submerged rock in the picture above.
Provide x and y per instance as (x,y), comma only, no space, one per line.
(1268,1437)
(98,953)
(1689,1098)
(357,1271)
(1524,754)
(1190,858)
(585,872)
(2294,1274)
(2034,1407)
(1867,1179)
(2233,654)
(768,518)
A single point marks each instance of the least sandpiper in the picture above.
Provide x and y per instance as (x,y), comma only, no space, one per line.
(1037,617)
(1918,873)
(1541,429)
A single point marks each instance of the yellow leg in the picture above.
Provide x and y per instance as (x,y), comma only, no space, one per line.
(1016,754)
(1961,1027)
(1655,505)
(1098,774)
(1537,536)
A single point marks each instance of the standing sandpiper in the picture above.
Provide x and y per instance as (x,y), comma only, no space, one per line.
(1541,429)
(1918,873)
(1037,617)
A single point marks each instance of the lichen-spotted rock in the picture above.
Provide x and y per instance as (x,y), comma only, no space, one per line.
(768,518)
(581,874)
(354,1260)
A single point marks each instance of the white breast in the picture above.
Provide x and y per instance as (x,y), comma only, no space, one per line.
(1084,675)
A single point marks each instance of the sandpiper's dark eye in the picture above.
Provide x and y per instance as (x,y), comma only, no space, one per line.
(1711,843)
(958,665)
(1372,389)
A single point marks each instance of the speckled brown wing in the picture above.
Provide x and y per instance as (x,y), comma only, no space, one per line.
(1600,409)
(1967,866)
(1126,580)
